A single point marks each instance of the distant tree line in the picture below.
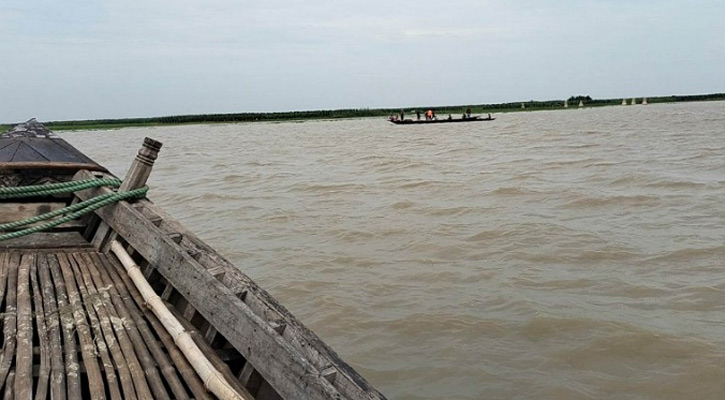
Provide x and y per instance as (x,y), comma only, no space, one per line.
(441,111)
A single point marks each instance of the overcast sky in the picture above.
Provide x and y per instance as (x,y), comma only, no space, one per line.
(90,59)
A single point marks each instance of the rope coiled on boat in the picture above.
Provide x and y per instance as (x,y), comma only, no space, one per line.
(71,212)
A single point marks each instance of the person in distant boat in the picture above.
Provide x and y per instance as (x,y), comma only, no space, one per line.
(402,115)
(468,112)
(429,115)
(433,115)
(450,117)
(417,114)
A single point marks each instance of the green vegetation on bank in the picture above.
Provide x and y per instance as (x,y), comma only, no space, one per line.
(359,113)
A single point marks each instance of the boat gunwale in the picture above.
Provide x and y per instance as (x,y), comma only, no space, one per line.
(313,382)
(440,121)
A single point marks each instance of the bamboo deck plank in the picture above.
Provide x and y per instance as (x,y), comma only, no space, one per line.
(72,328)
(44,370)
(9,322)
(123,282)
(72,368)
(105,342)
(57,372)
(88,347)
(138,332)
(24,353)
(10,387)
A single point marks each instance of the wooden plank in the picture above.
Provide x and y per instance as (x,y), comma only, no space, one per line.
(210,354)
(104,340)
(136,177)
(10,386)
(41,388)
(10,212)
(65,312)
(47,241)
(44,165)
(250,378)
(88,347)
(130,295)
(124,323)
(109,314)
(24,356)
(57,374)
(284,367)
(3,275)
(9,322)
(320,355)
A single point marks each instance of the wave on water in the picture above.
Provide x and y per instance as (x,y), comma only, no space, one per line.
(326,188)
(569,254)
(589,202)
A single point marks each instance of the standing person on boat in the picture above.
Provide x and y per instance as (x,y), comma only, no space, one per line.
(468,112)
(417,114)
(402,114)
(429,115)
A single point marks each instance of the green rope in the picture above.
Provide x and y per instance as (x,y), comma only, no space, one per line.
(55,188)
(91,205)
(52,214)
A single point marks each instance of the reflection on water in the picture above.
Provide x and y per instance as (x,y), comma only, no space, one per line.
(550,255)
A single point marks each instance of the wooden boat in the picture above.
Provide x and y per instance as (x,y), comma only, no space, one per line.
(124,302)
(440,121)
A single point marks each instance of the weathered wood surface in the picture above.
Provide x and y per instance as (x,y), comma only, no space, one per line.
(47,241)
(12,212)
(136,178)
(294,361)
(111,346)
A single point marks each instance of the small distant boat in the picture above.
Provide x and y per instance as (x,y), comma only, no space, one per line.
(644,101)
(633,102)
(440,121)
(624,102)
(581,104)
(566,103)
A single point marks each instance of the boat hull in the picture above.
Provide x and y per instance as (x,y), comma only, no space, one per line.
(440,121)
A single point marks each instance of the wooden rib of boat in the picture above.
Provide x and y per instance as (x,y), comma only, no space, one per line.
(77,324)
(439,121)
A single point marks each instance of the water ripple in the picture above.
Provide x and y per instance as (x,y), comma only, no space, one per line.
(550,255)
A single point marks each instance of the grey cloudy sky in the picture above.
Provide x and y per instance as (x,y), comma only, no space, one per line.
(89,59)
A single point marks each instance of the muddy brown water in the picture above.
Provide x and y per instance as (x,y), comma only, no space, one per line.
(572,254)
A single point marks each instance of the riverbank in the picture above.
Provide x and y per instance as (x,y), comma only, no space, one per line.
(531,105)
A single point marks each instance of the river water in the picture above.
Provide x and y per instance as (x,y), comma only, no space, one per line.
(571,254)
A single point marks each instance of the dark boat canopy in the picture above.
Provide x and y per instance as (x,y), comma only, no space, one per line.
(26,146)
